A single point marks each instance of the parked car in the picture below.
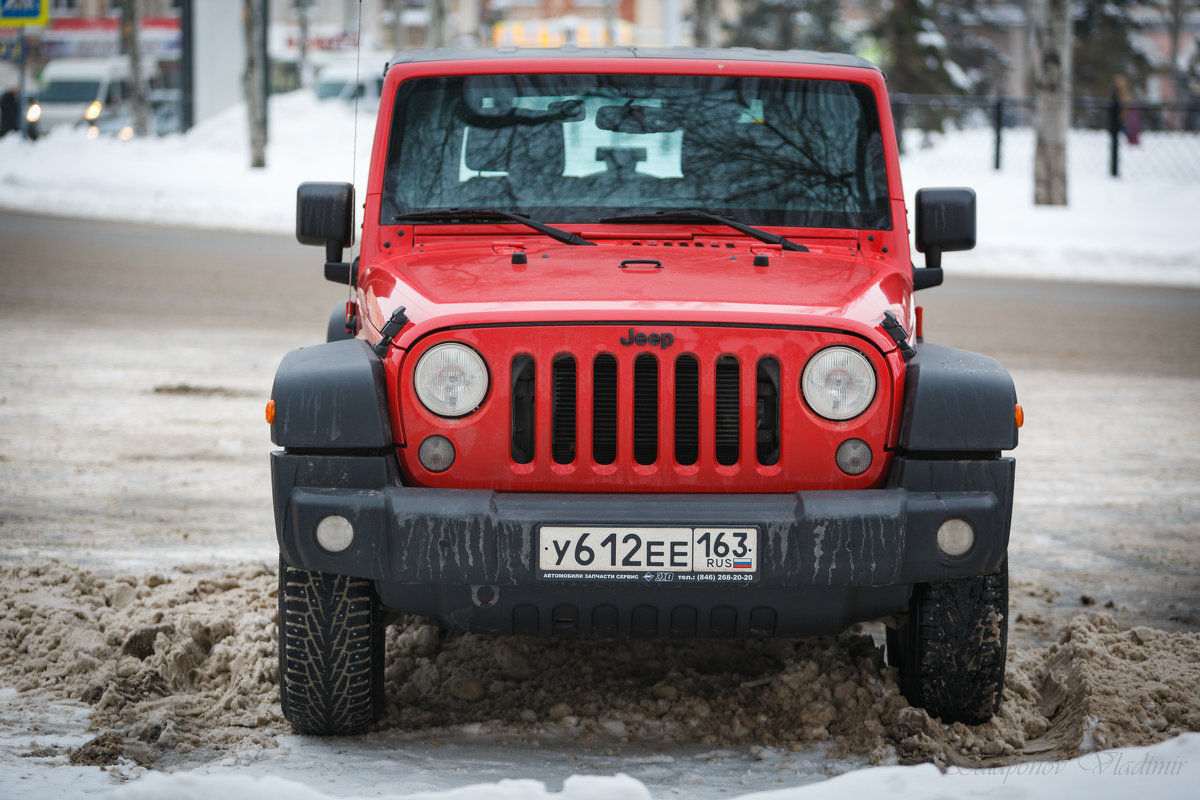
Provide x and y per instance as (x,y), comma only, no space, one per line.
(347,81)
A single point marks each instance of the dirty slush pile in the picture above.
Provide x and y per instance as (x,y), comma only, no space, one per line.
(183,667)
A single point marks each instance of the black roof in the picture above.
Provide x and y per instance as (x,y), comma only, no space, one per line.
(693,53)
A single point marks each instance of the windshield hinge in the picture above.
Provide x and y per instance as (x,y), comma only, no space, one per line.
(892,327)
(390,329)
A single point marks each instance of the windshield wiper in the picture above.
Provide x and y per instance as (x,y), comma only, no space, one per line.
(692,214)
(478,214)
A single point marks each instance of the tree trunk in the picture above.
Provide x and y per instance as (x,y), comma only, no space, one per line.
(707,23)
(1050,29)
(131,48)
(1178,77)
(252,82)
(302,19)
(437,24)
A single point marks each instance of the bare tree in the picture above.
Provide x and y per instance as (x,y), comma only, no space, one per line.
(131,48)
(1175,26)
(1050,30)
(302,18)
(437,23)
(253,83)
(707,23)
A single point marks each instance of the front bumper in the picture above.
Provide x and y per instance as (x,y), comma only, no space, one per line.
(467,557)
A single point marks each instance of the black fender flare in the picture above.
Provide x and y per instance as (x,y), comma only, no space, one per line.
(336,330)
(956,401)
(331,397)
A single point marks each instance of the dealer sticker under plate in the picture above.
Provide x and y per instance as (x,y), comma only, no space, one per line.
(649,554)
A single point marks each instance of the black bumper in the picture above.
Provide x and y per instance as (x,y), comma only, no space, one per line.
(467,558)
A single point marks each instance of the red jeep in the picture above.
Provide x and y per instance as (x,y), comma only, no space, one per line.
(633,352)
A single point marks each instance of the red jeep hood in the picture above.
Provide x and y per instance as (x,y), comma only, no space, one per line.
(456,284)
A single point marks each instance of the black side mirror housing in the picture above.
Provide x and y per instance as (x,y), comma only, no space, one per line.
(945,220)
(325,216)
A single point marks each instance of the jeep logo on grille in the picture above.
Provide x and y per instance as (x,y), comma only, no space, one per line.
(660,340)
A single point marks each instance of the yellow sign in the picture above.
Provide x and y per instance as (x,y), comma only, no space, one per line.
(15,13)
(558,32)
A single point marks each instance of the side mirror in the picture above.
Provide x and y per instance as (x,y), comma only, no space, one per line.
(325,216)
(945,220)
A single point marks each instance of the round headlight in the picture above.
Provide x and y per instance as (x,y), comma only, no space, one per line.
(451,379)
(838,383)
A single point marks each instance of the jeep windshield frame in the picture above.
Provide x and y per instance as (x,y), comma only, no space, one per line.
(579,147)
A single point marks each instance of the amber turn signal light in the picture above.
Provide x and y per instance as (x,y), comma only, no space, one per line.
(1019,415)
(271,412)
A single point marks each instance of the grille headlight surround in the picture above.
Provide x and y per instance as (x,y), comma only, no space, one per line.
(838,383)
(451,379)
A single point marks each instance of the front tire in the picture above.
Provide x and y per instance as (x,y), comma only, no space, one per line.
(951,649)
(330,652)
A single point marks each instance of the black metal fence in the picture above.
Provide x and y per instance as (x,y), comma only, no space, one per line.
(1155,140)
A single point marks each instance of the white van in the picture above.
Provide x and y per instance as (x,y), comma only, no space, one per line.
(75,90)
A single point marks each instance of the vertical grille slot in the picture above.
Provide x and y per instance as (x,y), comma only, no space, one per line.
(767,424)
(687,410)
(523,425)
(562,418)
(645,409)
(727,413)
(604,409)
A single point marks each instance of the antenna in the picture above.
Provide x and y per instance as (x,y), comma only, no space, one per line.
(350,288)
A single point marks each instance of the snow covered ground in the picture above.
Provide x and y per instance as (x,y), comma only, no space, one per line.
(1163,771)
(1136,229)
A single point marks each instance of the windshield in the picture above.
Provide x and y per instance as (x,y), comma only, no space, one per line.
(330,88)
(574,148)
(69,91)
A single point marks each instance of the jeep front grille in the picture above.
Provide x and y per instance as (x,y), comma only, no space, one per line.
(652,408)
(641,404)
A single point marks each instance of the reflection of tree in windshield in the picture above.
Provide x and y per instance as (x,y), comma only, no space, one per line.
(575,148)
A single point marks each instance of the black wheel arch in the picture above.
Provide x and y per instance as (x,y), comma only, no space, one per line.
(956,401)
(331,396)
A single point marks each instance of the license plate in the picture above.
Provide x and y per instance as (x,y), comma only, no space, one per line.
(647,554)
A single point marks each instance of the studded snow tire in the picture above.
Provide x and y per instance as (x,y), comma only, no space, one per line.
(330,652)
(951,648)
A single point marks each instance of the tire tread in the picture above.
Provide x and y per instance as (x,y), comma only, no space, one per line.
(330,652)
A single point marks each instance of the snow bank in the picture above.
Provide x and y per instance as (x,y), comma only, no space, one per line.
(1160,771)
(1136,229)
(179,670)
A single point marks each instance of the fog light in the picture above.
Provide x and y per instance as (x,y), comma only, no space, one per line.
(335,533)
(436,454)
(955,537)
(853,456)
